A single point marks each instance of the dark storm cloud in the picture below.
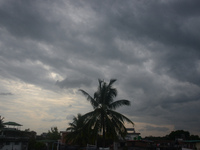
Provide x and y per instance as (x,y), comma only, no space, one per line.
(73,82)
(25,19)
(5,94)
(53,120)
(150,47)
(152,128)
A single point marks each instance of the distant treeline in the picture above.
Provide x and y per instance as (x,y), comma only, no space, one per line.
(174,135)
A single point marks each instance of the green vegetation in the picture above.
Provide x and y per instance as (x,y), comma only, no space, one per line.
(77,132)
(53,134)
(45,140)
(179,134)
(103,120)
(174,135)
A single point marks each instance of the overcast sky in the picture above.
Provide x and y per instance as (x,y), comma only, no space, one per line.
(49,49)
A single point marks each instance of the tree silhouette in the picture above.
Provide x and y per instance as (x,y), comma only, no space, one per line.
(77,132)
(53,134)
(104,119)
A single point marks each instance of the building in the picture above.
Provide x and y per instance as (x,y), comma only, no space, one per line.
(132,135)
(63,139)
(190,145)
(12,138)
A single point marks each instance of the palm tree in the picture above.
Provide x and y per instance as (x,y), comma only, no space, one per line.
(104,119)
(77,131)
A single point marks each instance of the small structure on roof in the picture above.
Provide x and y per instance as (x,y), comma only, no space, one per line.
(13,124)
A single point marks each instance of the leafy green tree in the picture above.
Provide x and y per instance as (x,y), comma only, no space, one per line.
(31,143)
(194,137)
(185,135)
(77,132)
(52,137)
(178,134)
(104,119)
(40,146)
(53,134)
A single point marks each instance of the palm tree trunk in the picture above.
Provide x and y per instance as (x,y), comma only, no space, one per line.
(103,124)
(104,139)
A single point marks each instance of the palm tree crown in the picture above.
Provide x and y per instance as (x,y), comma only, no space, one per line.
(104,119)
(77,133)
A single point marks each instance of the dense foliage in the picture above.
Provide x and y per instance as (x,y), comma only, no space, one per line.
(179,134)
(53,134)
(174,135)
(77,132)
(45,141)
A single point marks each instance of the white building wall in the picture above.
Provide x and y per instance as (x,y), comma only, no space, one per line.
(12,146)
(131,137)
(198,146)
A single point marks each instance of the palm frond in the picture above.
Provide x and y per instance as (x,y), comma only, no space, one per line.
(77,132)
(89,98)
(112,81)
(119,103)
(120,116)
(100,82)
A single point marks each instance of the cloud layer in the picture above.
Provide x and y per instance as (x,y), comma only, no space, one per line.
(50,49)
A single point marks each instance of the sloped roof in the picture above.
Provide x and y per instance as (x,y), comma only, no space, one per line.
(192,141)
(12,124)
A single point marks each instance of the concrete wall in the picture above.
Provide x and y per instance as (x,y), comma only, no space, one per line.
(14,146)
